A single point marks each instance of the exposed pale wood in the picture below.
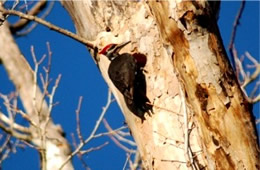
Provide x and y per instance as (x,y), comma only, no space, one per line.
(182,44)
(160,139)
(221,111)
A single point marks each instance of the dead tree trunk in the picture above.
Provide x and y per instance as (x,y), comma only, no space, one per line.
(201,117)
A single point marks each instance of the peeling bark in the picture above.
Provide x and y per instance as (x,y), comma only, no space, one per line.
(221,111)
(201,119)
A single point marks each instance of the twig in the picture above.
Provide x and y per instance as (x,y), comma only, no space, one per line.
(10,114)
(172,142)
(42,131)
(119,137)
(46,81)
(110,132)
(121,145)
(48,118)
(35,79)
(20,24)
(238,64)
(78,120)
(101,116)
(5,150)
(14,133)
(246,77)
(49,25)
(252,77)
(256,99)
(165,160)
(127,160)
(251,58)
(94,148)
(28,30)
(85,165)
(51,104)
(137,161)
(122,133)
(234,31)
(15,4)
(92,135)
(187,149)
(15,126)
(24,115)
(253,92)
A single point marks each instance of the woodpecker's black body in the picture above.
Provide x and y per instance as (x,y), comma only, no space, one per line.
(127,75)
(122,73)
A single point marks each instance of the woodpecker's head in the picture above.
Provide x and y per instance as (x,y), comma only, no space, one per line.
(112,50)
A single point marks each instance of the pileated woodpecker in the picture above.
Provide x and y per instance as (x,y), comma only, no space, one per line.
(126,73)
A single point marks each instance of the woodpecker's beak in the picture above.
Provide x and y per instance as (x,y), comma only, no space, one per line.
(120,46)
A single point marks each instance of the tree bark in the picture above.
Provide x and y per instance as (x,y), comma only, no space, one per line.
(201,118)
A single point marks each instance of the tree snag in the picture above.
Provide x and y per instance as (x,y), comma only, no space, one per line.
(201,118)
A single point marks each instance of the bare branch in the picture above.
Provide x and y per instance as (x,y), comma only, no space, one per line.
(49,25)
(119,137)
(78,120)
(234,31)
(256,99)
(238,64)
(247,78)
(14,133)
(252,77)
(15,126)
(79,155)
(137,161)
(24,115)
(251,58)
(20,24)
(112,134)
(254,91)
(46,81)
(35,77)
(94,148)
(92,135)
(127,160)
(10,120)
(4,149)
(28,30)
(51,104)
(122,133)
(118,130)
(187,150)
(121,145)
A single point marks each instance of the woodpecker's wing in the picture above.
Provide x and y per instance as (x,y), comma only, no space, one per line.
(122,73)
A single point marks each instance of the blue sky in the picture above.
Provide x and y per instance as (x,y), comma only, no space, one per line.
(80,77)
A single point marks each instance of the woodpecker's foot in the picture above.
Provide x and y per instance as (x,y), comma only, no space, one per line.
(149,108)
(145,71)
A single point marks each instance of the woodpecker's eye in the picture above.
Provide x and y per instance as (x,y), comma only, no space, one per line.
(108,29)
(112,47)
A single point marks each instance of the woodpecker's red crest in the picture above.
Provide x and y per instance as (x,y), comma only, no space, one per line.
(112,50)
(106,49)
